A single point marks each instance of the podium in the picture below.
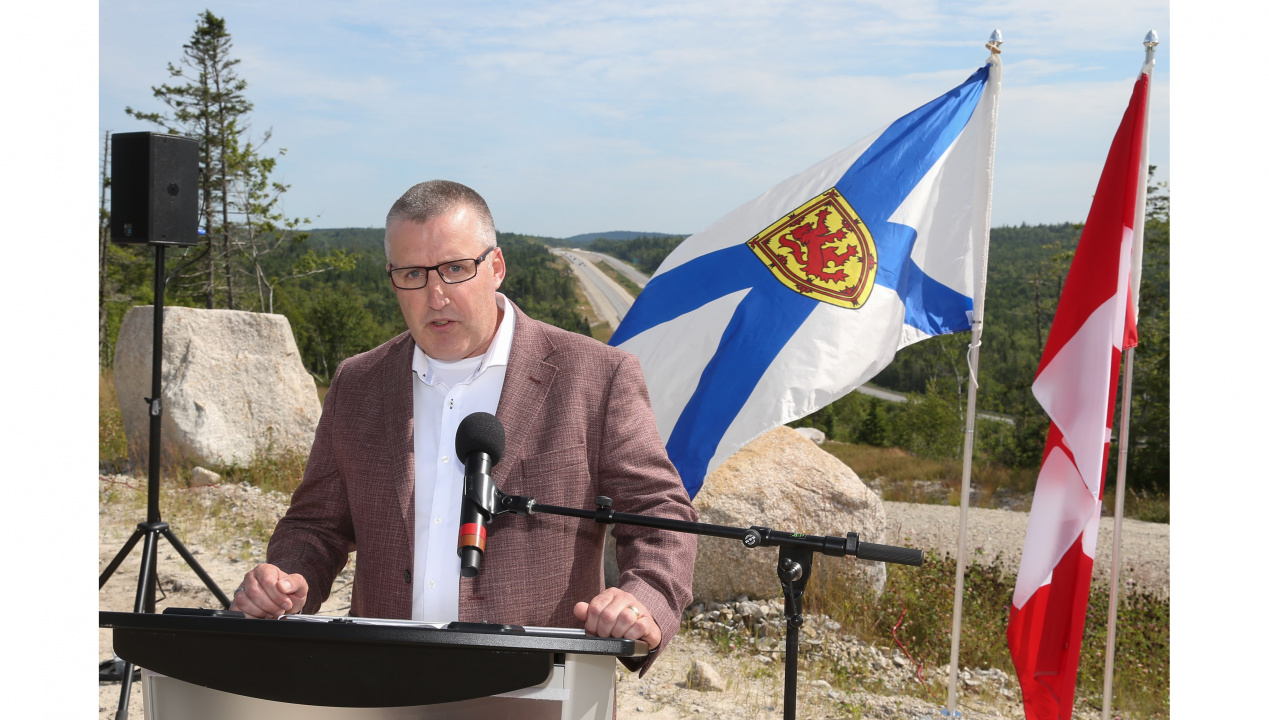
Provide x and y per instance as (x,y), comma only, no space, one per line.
(211,665)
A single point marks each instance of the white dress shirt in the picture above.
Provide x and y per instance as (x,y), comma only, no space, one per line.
(444,394)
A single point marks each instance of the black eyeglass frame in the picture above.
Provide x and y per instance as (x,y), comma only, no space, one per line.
(427,271)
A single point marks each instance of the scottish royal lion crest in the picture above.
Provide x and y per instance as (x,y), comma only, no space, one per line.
(822,250)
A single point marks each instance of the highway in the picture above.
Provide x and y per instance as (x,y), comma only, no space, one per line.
(610,301)
(621,266)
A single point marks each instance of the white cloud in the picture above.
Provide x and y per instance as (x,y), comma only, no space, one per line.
(665,113)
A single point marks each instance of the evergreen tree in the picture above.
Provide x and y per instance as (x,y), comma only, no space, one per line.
(239,200)
(209,106)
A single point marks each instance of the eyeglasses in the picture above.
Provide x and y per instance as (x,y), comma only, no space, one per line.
(451,272)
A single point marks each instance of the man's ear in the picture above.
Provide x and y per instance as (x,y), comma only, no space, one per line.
(499,267)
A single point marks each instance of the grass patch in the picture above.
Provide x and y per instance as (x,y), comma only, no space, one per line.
(906,477)
(1143,505)
(927,594)
(280,472)
(601,332)
(626,283)
(870,462)
(902,476)
(112,443)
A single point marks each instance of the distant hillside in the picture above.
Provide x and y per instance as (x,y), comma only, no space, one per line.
(645,252)
(588,238)
(369,238)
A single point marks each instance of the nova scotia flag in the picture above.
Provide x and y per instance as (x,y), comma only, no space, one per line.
(801,295)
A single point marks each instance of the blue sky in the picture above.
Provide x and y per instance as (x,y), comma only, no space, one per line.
(575,117)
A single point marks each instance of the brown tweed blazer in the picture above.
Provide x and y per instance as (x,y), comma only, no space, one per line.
(578,423)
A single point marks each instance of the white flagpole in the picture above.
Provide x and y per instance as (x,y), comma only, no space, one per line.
(1125,414)
(971,408)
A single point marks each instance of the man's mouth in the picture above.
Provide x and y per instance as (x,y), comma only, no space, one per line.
(441,323)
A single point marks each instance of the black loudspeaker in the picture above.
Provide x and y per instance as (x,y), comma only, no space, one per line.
(153,189)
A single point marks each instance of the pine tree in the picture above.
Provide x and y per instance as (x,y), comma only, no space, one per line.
(211,107)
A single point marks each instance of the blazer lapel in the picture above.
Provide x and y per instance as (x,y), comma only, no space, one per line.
(524,390)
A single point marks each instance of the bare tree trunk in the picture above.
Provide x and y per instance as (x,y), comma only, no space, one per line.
(103,232)
(224,194)
(210,290)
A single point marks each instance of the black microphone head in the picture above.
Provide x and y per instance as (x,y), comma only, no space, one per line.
(480,432)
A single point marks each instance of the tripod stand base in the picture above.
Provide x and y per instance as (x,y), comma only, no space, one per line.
(126,673)
(113,670)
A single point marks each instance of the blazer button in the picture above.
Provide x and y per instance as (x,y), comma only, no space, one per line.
(407,576)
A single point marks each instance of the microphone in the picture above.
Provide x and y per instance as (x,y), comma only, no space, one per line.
(478,443)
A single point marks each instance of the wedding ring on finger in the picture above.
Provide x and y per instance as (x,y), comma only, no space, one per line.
(636,612)
(238,590)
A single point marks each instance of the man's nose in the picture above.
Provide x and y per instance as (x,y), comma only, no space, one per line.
(436,298)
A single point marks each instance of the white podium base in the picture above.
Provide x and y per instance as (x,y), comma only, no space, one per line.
(580,689)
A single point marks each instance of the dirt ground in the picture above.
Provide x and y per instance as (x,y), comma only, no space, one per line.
(754,684)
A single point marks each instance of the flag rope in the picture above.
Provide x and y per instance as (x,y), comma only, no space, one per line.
(973,345)
(894,633)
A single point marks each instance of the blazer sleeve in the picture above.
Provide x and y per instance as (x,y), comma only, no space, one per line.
(316,534)
(634,470)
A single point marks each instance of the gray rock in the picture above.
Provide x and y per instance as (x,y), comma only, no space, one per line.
(702,676)
(783,481)
(234,387)
(200,477)
(814,435)
(767,644)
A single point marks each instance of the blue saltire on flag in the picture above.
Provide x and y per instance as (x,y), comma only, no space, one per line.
(801,295)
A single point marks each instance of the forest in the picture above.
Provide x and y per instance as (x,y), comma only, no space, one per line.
(349,308)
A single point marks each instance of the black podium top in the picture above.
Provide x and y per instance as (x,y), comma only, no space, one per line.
(349,662)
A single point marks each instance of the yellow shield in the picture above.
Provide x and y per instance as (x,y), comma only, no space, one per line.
(822,250)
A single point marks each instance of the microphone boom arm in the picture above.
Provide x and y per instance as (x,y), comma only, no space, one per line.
(753,536)
(793,566)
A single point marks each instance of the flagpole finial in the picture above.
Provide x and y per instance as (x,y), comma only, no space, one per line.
(1152,39)
(996,40)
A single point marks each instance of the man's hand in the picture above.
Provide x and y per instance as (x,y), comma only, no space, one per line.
(267,592)
(616,613)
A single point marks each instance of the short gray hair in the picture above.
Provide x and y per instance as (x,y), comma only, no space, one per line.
(434,198)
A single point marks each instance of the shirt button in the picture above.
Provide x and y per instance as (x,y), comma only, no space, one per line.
(437,520)
(444,458)
(431,583)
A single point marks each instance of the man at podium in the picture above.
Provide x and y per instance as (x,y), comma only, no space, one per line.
(383,478)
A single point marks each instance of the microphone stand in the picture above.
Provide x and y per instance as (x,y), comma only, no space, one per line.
(793,566)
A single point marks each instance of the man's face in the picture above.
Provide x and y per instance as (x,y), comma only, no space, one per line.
(448,322)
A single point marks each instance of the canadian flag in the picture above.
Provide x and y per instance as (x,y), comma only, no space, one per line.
(1075,384)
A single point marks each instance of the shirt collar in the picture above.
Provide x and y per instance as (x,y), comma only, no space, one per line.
(498,352)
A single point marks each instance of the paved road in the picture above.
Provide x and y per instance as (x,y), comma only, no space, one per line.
(610,301)
(621,266)
(892,396)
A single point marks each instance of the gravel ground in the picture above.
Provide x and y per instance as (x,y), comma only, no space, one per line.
(754,686)
(1143,555)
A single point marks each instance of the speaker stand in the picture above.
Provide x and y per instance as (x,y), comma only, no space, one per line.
(153,527)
